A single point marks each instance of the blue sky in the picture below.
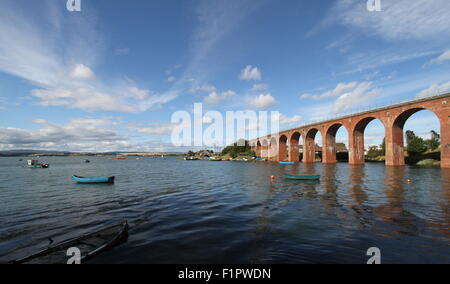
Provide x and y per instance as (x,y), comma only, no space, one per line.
(109,77)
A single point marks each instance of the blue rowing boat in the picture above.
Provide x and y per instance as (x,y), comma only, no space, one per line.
(287,163)
(93,179)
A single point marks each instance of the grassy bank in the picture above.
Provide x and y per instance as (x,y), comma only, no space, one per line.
(425,159)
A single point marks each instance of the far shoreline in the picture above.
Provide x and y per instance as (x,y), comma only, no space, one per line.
(109,154)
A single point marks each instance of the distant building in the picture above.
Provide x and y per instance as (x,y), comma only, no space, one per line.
(205,153)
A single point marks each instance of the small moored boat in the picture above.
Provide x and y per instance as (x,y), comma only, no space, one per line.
(287,163)
(34,164)
(302,177)
(190,159)
(90,245)
(93,179)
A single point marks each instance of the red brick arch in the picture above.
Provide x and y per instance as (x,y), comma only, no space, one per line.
(356,138)
(396,154)
(329,142)
(294,140)
(309,147)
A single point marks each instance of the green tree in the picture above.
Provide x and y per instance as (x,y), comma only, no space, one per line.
(416,145)
(374,152)
(434,142)
(234,150)
(341,147)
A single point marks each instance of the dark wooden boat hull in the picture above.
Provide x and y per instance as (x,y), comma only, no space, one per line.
(90,246)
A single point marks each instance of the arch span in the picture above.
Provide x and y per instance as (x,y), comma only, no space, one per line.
(329,143)
(309,147)
(356,140)
(395,150)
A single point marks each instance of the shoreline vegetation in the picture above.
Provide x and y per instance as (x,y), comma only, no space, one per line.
(418,152)
(229,153)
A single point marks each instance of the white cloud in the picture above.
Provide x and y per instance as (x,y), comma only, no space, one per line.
(215,98)
(75,131)
(399,19)
(215,21)
(81,71)
(84,135)
(139,94)
(434,90)
(340,89)
(360,97)
(89,99)
(263,101)
(378,58)
(443,57)
(250,73)
(48,52)
(81,98)
(349,96)
(289,120)
(285,120)
(171,79)
(158,129)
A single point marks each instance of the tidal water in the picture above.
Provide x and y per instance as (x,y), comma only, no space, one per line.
(229,212)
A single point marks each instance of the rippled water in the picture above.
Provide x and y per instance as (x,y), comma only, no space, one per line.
(230,212)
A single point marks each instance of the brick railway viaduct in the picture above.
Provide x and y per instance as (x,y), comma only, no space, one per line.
(275,146)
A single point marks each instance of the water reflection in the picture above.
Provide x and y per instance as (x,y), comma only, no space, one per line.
(310,169)
(357,185)
(444,203)
(230,212)
(394,213)
(358,192)
(331,185)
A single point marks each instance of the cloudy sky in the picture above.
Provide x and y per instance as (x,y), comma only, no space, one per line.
(110,77)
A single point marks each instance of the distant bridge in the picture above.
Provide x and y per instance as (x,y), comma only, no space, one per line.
(275,146)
